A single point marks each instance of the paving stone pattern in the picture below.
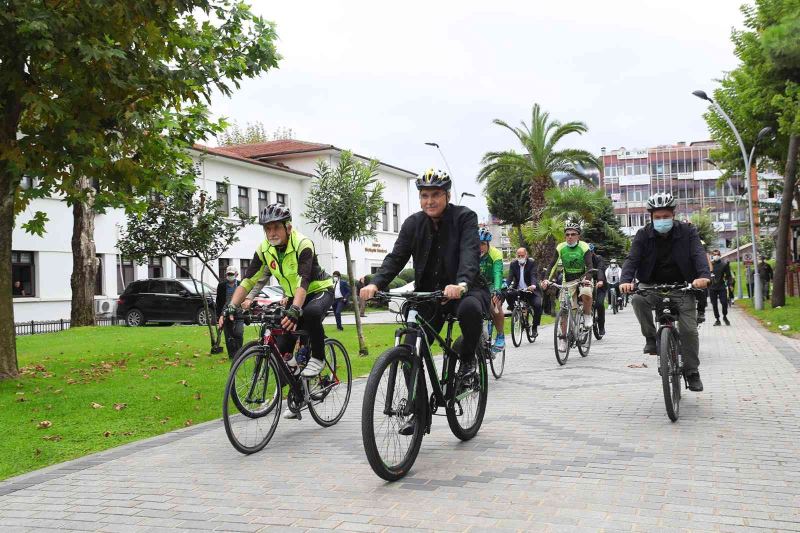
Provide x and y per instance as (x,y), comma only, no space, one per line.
(585,447)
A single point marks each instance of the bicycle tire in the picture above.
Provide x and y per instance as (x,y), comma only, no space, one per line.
(614,306)
(247,422)
(564,314)
(246,349)
(529,326)
(516,327)
(669,374)
(328,386)
(482,385)
(584,347)
(397,356)
(595,325)
(497,363)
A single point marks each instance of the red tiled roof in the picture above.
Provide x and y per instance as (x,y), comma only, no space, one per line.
(271,148)
(226,152)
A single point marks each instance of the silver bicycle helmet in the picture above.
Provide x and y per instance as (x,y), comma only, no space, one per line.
(661,200)
(574,225)
(274,213)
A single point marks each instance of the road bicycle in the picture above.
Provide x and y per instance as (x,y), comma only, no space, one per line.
(253,398)
(397,410)
(521,319)
(668,341)
(495,360)
(570,324)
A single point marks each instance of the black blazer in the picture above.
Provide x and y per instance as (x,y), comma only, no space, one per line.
(531,274)
(221,297)
(687,252)
(462,251)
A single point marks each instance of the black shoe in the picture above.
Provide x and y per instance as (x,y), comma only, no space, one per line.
(727,322)
(534,332)
(650,347)
(467,367)
(340,329)
(407,429)
(693,380)
(717,322)
(602,332)
(701,317)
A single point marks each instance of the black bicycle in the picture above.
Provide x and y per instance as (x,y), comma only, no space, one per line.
(397,410)
(521,319)
(253,397)
(668,341)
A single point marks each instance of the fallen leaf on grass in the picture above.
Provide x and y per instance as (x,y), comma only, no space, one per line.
(58,391)
(183,382)
(157,397)
(198,395)
(638,365)
(44,424)
(164,420)
(128,433)
(37,452)
(96,405)
(21,398)
(53,438)
(188,423)
(120,406)
(107,433)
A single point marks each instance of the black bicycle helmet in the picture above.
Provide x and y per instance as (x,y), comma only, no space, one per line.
(661,200)
(434,179)
(274,213)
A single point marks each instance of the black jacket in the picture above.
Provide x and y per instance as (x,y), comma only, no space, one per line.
(687,252)
(462,251)
(722,273)
(221,297)
(531,274)
(600,264)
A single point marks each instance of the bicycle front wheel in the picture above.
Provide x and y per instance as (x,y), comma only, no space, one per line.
(529,326)
(466,409)
(670,373)
(584,336)
(595,325)
(561,338)
(254,389)
(330,390)
(614,305)
(497,362)
(516,327)
(391,429)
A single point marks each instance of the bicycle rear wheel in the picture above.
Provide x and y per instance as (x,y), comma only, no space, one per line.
(563,317)
(516,327)
(670,373)
(614,305)
(330,390)
(254,388)
(384,413)
(583,336)
(529,326)
(465,411)
(595,325)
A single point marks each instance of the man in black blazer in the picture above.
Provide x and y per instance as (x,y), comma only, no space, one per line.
(523,276)
(341,293)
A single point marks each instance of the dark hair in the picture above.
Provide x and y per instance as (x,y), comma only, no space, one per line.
(716,252)
(336,273)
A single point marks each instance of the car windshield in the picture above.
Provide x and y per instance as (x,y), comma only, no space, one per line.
(190,286)
(272,292)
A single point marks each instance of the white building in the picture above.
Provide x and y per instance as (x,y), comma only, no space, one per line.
(258,174)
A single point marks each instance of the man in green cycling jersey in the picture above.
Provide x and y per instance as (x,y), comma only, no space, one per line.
(289,256)
(492,272)
(576,259)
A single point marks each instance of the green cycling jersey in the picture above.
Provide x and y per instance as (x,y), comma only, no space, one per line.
(492,268)
(574,259)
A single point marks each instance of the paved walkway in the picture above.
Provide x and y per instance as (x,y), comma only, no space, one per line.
(585,447)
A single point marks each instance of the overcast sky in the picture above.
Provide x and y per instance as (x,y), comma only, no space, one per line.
(382,79)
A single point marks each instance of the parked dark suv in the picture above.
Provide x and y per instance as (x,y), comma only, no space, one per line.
(163,300)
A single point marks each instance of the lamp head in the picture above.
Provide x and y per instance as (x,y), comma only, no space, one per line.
(433,144)
(702,95)
(711,162)
(764,133)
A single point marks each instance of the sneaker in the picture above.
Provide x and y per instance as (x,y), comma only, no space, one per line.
(289,415)
(717,322)
(693,380)
(313,368)
(650,347)
(701,317)
(587,321)
(562,345)
(602,332)
(499,343)
(534,331)
(466,367)
(407,429)
(727,322)
(609,308)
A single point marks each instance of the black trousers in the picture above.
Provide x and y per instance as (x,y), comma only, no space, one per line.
(599,304)
(721,296)
(469,310)
(534,301)
(234,335)
(702,302)
(338,305)
(314,311)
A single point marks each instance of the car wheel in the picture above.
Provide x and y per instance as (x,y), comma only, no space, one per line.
(201,317)
(134,318)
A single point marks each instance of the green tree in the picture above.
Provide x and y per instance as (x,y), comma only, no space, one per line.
(344,203)
(114,92)
(604,231)
(184,223)
(540,160)
(704,223)
(764,90)
(252,133)
(507,199)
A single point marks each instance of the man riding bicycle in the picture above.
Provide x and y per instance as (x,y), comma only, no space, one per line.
(289,256)
(441,240)
(599,264)
(576,261)
(613,274)
(522,275)
(667,251)
(492,272)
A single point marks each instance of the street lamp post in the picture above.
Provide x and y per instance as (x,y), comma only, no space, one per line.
(739,293)
(758,302)
(435,145)
(463,194)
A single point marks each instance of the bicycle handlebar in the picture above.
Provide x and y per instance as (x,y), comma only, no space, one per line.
(668,287)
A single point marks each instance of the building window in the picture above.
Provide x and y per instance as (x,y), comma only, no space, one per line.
(98,277)
(124,273)
(245,264)
(154,268)
(222,197)
(244,200)
(23,270)
(396,217)
(385,216)
(263,200)
(223,266)
(184,270)
(281,199)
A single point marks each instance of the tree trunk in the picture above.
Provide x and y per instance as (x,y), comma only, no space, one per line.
(8,352)
(84,260)
(362,346)
(522,242)
(542,252)
(209,318)
(784,219)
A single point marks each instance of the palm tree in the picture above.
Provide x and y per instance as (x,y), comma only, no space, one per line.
(573,202)
(540,160)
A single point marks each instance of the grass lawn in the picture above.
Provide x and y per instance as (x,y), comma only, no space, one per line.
(90,389)
(772,318)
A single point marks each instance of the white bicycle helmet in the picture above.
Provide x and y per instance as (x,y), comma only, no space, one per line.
(661,200)
(573,225)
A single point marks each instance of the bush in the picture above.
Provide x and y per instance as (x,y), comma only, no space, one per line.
(397,282)
(407,275)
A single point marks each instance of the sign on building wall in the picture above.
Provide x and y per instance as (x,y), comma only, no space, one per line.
(636,179)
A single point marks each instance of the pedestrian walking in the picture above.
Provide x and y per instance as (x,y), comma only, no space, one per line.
(720,276)
(765,273)
(233,329)
(341,291)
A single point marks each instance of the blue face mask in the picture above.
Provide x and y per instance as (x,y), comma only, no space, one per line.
(663,226)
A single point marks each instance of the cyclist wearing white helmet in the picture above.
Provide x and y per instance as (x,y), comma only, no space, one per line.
(668,251)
